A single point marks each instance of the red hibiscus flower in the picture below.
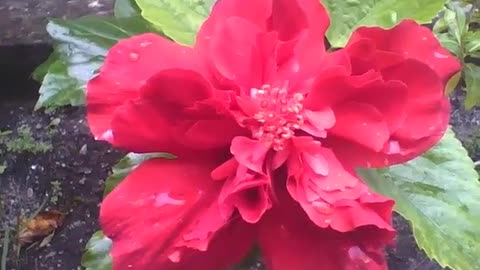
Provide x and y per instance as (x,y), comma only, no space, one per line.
(268,128)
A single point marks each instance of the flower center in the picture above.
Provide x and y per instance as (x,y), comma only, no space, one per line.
(279,116)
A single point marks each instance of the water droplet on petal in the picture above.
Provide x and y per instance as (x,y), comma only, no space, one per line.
(440,55)
(322,207)
(328,221)
(357,254)
(134,56)
(145,44)
(107,135)
(163,199)
(175,256)
(393,147)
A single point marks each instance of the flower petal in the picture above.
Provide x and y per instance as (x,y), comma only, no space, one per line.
(163,210)
(335,200)
(290,17)
(256,12)
(289,240)
(249,153)
(426,116)
(412,41)
(361,123)
(248,192)
(174,111)
(126,68)
(425,110)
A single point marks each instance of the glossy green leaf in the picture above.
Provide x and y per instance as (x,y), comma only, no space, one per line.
(179,19)
(41,71)
(450,43)
(125,8)
(126,165)
(472,83)
(96,256)
(472,42)
(439,193)
(60,88)
(456,19)
(347,15)
(81,47)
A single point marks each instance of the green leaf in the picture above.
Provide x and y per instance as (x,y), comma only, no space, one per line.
(81,47)
(41,71)
(472,42)
(60,88)
(179,19)
(456,19)
(439,193)
(3,167)
(450,43)
(97,253)
(348,15)
(472,83)
(128,164)
(126,8)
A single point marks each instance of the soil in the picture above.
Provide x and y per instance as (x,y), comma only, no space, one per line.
(23,22)
(69,178)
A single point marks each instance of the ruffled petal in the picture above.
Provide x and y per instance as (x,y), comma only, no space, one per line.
(167,210)
(232,50)
(175,111)
(248,192)
(290,17)
(336,199)
(289,240)
(256,12)
(367,107)
(249,153)
(411,41)
(424,119)
(126,68)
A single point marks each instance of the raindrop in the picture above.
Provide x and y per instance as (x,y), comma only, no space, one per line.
(163,199)
(145,44)
(440,55)
(175,256)
(134,56)
(322,207)
(357,254)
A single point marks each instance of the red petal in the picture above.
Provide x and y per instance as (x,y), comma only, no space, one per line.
(174,111)
(177,87)
(253,11)
(335,85)
(412,41)
(289,240)
(162,210)
(248,193)
(335,199)
(316,122)
(249,153)
(127,66)
(425,112)
(232,51)
(361,123)
(291,17)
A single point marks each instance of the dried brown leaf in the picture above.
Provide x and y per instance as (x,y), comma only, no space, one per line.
(40,226)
